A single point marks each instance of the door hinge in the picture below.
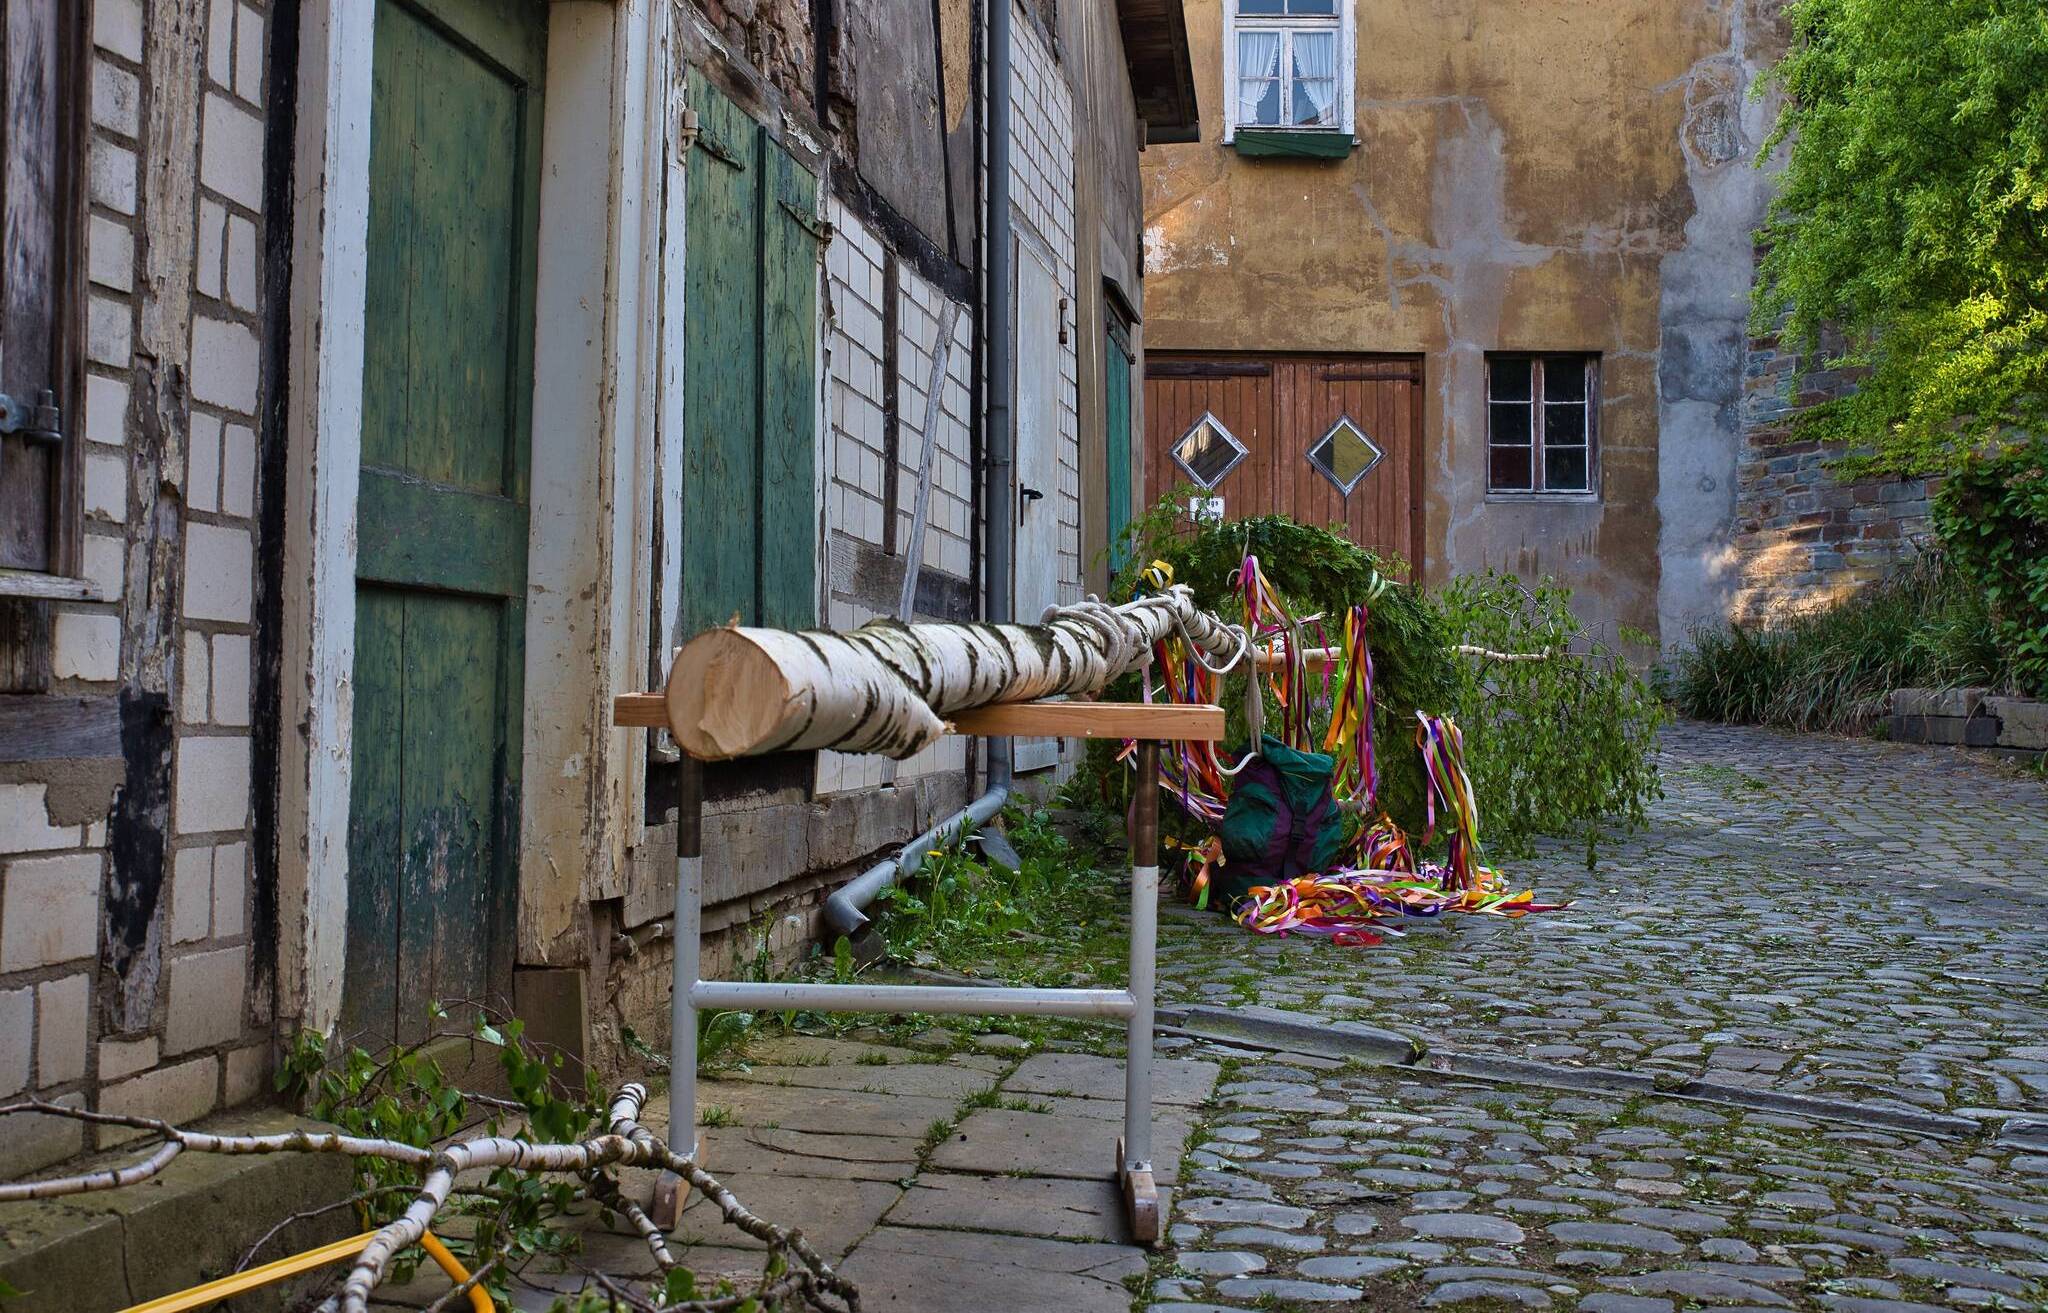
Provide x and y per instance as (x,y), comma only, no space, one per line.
(40,423)
(686,132)
(807,221)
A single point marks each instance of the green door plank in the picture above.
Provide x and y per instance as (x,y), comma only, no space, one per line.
(450,798)
(430,536)
(721,364)
(442,516)
(789,499)
(376,838)
(1116,388)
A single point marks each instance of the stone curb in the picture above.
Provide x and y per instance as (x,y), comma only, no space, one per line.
(1286,1032)
(1319,1036)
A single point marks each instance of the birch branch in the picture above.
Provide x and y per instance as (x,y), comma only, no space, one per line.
(626,1143)
(1487,653)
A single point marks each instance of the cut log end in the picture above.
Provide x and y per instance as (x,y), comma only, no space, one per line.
(726,697)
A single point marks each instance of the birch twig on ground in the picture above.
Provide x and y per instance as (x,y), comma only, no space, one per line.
(626,1143)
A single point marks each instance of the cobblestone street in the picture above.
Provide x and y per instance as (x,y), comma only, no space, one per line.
(1851,920)
(1863,920)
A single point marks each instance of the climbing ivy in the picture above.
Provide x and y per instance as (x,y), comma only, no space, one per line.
(1993,518)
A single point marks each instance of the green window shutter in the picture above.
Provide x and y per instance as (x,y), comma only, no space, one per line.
(750,359)
(721,361)
(789,358)
(1116,388)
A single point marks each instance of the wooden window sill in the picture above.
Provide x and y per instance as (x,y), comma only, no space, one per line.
(49,587)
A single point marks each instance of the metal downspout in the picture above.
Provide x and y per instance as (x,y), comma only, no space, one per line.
(845,910)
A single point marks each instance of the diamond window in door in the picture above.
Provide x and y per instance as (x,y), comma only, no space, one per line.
(1345,455)
(1208,451)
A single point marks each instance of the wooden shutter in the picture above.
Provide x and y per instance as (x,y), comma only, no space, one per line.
(42,147)
(749,362)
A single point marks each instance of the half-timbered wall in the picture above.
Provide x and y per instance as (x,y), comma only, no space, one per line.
(128,931)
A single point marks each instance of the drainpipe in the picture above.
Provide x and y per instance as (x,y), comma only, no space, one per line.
(844,910)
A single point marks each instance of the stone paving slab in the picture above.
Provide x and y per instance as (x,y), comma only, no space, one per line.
(1021,1228)
(795,1153)
(1029,1205)
(924,1079)
(834,1214)
(838,1112)
(1089,1076)
(996,1141)
(917,1271)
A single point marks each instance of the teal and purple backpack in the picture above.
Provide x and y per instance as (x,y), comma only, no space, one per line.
(1281,822)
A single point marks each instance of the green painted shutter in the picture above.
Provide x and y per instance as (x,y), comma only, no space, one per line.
(1116,389)
(749,370)
(789,353)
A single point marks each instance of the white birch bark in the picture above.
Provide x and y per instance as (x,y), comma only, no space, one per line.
(888,687)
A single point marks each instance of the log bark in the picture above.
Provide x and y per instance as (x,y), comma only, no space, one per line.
(889,688)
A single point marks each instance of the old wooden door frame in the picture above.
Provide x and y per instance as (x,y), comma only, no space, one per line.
(596,393)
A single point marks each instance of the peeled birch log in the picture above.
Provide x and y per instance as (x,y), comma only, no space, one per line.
(889,687)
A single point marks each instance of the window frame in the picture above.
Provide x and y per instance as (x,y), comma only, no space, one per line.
(61,577)
(1538,475)
(1343,22)
(1344,420)
(1237,444)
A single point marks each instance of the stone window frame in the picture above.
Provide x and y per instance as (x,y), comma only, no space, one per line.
(1343,22)
(1538,485)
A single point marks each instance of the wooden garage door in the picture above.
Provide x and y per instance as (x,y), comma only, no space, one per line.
(1279,408)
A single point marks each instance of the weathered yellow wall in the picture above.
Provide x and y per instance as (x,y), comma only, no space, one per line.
(1559,175)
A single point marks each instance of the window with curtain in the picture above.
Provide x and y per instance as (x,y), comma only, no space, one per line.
(1291,64)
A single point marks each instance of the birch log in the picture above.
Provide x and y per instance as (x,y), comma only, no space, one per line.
(888,687)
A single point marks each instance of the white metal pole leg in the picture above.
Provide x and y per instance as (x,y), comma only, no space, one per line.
(1134,1148)
(670,1191)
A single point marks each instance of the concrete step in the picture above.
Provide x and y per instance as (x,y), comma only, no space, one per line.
(189,1224)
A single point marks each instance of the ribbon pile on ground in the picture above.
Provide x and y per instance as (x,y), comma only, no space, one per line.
(1386,882)
(1360,904)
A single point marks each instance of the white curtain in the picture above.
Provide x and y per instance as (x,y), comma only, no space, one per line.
(1315,78)
(1258,73)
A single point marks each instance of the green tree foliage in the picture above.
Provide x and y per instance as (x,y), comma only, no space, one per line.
(1913,217)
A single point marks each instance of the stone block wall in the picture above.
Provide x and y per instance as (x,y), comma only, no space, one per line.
(1804,538)
(125,944)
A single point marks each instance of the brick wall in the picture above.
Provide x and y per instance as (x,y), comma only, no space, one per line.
(183,1042)
(1803,537)
(855,455)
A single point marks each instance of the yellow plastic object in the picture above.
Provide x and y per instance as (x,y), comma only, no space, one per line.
(228,1287)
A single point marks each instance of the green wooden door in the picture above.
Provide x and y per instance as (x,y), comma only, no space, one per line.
(441,520)
(1116,392)
(749,364)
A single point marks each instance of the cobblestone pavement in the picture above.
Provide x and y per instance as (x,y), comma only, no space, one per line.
(1314,1185)
(1839,917)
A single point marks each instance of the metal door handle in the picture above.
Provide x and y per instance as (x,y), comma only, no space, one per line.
(1029,494)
